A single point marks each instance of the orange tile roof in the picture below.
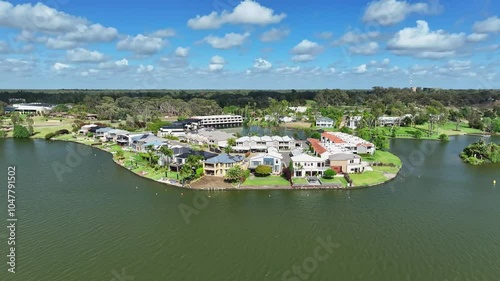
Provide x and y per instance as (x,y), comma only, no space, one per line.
(316,145)
(332,138)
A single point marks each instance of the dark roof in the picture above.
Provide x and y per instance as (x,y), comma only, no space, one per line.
(206,155)
(225,158)
(177,126)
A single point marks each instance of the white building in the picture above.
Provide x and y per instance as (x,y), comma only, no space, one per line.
(263,143)
(337,142)
(307,165)
(298,109)
(176,131)
(353,121)
(86,128)
(272,159)
(219,120)
(37,108)
(209,137)
(324,122)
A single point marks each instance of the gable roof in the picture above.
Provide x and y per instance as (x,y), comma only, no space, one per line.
(206,155)
(306,158)
(316,145)
(332,137)
(323,119)
(225,158)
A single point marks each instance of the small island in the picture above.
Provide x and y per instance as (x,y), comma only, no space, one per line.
(480,152)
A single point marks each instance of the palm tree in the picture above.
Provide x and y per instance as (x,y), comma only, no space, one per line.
(185,172)
(167,153)
(228,149)
(150,151)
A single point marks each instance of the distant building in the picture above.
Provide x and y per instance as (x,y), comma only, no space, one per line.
(298,109)
(219,121)
(172,130)
(263,143)
(30,108)
(353,121)
(324,122)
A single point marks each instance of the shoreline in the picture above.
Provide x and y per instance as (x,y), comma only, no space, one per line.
(174,183)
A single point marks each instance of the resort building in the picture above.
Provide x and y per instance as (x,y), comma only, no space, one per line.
(112,134)
(346,163)
(324,122)
(219,121)
(101,132)
(87,129)
(352,122)
(272,159)
(307,165)
(30,108)
(142,144)
(218,166)
(337,142)
(176,131)
(209,137)
(263,143)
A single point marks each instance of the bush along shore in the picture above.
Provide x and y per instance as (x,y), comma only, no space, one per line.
(480,152)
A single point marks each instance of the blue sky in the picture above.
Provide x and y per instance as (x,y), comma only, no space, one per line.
(262,44)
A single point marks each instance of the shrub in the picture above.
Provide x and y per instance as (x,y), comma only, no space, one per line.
(444,137)
(418,134)
(62,132)
(21,132)
(119,154)
(199,172)
(329,174)
(90,135)
(263,171)
(3,134)
(49,136)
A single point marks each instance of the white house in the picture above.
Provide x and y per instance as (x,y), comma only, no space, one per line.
(86,128)
(324,122)
(353,121)
(346,163)
(272,159)
(263,143)
(307,165)
(176,131)
(298,109)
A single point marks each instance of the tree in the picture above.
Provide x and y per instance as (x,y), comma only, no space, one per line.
(316,135)
(263,171)
(21,132)
(151,153)
(329,174)
(185,172)
(2,106)
(194,161)
(444,137)
(15,118)
(167,154)
(418,134)
(235,174)
(30,123)
(231,141)
(228,149)
(119,154)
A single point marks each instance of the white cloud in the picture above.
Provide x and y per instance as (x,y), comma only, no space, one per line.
(288,70)
(477,37)
(11,65)
(386,61)
(91,33)
(230,40)
(163,33)
(306,51)
(420,42)
(274,34)
(120,65)
(54,43)
(58,67)
(145,68)
(262,64)
(182,52)
(216,63)
(4,47)
(389,12)
(361,69)
(89,72)
(365,49)
(141,45)
(489,25)
(247,12)
(355,37)
(83,55)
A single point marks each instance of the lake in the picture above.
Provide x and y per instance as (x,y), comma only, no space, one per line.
(81,217)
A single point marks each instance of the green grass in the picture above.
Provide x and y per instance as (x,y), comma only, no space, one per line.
(299,181)
(368,178)
(383,157)
(266,181)
(390,170)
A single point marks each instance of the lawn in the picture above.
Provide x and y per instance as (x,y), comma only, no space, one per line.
(368,178)
(299,181)
(340,180)
(383,157)
(387,169)
(266,181)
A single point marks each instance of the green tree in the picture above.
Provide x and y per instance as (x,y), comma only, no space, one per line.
(21,132)
(418,134)
(329,174)
(30,123)
(167,154)
(444,137)
(185,173)
(235,174)
(263,171)
(231,141)
(2,106)
(15,118)
(228,149)
(119,154)
(316,135)
(151,153)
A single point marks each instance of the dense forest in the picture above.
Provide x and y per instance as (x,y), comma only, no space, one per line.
(260,99)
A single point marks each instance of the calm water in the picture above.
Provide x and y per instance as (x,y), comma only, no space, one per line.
(440,220)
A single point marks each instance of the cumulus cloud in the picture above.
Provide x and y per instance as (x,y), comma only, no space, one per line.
(247,12)
(141,44)
(361,69)
(230,40)
(182,52)
(389,12)
(145,68)
(489,25)
(11,65)
(66,31)
(83,55)
(477,37)
(163,33)
(119,65)
(325,35)
(58,67)
(355,37)
(262,64)
(5,48)
(421,42)
(306,51)
(274,34)
(216,63)
(364,49)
